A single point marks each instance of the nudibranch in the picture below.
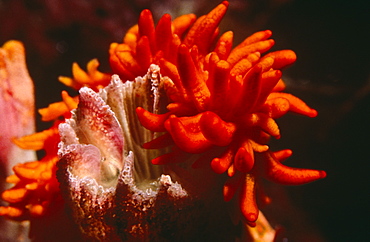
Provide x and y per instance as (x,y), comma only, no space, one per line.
(223,102)
(186,116)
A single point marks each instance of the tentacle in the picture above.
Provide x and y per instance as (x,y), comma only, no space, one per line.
(238,54)
(151,121)
(183,23)
(146,28)
(282,174)
(222,163)
(244,158)
(163,34)
(254,38)
(248,204)
(224,45)
(283,58)
(193,83)
(211,122)
(250,90)
(282,155)
(143,53)
(231,186)
(242,66)
(202,34)
(296,104)
(264,122)
(187,137)
(268,81)
(219,85)
(280,86)
(277,107)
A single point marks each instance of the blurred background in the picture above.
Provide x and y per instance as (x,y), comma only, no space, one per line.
(331,74)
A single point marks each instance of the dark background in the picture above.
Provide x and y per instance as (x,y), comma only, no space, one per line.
(331,39)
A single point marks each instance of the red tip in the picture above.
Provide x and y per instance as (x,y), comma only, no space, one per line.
(268,32)
(313,113)
(251,217)
(226,3)
(322,174)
